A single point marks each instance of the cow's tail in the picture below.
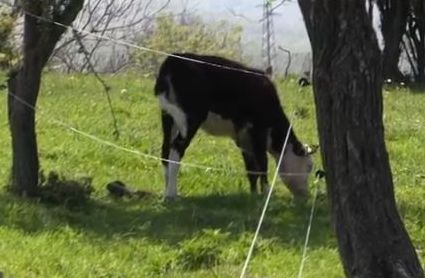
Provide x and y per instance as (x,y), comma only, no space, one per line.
(162,84)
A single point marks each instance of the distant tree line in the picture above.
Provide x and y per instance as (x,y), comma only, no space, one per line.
(402,24)
(403,31)
(143,22)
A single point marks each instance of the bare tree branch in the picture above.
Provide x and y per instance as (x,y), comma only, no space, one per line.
(278,5)
(105,86)
(122,20)
(289,59)
(240,15)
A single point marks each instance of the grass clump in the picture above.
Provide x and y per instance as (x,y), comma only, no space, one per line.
(203,250)
(72,194)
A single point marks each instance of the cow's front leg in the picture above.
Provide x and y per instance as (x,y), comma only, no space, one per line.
(177,150)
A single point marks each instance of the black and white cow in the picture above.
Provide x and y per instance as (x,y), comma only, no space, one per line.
(242,104)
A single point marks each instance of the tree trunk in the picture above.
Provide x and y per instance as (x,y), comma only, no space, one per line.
(23,91)
(24,85)
(347,83)
(393,26)
(40,38)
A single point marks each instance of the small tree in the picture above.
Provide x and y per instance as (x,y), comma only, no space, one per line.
(192,35)
(39,40)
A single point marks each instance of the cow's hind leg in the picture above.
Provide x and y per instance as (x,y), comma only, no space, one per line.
(169,132)
(251,170)
(259,146)
(176,151)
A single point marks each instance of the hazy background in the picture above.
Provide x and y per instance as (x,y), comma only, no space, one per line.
(289,26)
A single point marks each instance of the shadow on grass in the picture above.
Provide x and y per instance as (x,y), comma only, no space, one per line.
(417,88)
(171,223)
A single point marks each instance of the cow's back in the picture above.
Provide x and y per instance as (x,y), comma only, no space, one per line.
(221,86)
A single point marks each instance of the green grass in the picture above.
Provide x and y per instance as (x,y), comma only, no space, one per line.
(207,232)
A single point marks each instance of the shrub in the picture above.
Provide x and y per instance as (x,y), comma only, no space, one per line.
(222,39)
(8,55)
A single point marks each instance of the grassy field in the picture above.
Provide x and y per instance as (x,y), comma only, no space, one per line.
(208,231)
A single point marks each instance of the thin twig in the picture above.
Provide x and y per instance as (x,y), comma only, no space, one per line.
(106,87)
(289,59)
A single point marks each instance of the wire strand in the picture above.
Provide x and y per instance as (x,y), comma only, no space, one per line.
(141,154)
(266,204)
(310,223)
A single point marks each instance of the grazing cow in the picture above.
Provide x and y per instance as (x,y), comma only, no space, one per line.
(242,104)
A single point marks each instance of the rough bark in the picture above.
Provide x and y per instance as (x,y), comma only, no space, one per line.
(347,79)
(393,26)
(40,38)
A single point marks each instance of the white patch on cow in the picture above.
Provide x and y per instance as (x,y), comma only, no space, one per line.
(171,175)
(217,125)
(175,112)
(170,105)
(294,171)
(166,175)
(174,133)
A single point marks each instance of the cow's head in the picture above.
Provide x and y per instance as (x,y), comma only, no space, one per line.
(295,169)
